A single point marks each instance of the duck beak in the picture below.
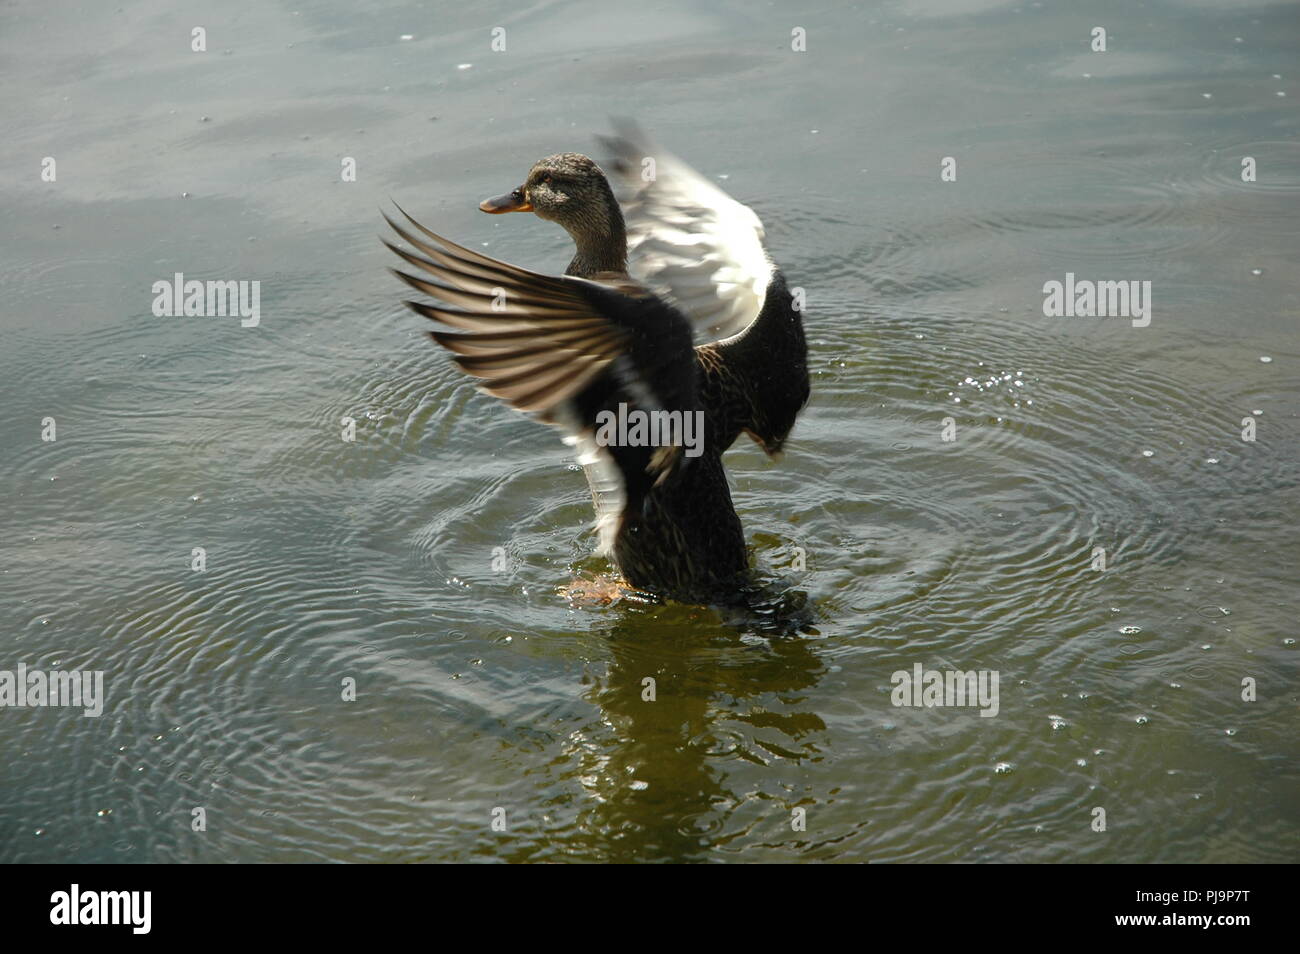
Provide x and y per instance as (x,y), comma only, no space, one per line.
(510,202)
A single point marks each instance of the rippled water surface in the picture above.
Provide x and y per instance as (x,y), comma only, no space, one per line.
(885,546)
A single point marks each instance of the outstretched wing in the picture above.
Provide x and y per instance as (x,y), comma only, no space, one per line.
(687,239)
(531,339)
(559,348)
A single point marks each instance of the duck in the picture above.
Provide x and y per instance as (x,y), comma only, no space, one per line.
(670,333)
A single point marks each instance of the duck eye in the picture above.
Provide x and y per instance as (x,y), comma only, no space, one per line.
(546,177)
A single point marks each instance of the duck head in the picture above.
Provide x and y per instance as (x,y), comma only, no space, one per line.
(572,191)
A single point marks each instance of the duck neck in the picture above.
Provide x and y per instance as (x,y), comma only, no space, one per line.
(601,245)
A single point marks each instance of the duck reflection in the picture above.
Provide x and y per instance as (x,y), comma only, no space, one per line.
(684,694)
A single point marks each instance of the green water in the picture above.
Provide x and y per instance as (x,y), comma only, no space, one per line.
(480,689)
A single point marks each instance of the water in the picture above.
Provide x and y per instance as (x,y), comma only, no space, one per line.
(479,690)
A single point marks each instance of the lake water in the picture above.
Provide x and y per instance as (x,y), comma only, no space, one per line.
(483,693)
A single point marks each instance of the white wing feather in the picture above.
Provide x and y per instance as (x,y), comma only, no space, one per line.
(690,241)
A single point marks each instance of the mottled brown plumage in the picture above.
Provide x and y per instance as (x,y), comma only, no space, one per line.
(571,349)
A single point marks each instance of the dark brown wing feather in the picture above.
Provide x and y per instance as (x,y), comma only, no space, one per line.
(566,350)
(532,340)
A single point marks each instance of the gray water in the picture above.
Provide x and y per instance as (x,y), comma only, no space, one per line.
(480,689)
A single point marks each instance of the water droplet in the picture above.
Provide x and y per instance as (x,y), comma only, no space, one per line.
(1257,271)
(1148,453)
(1057,722)
(1265,359)
(1130,630)
(1003,768)
(1141,720)
(407,36)
(464,66)
(1229,731)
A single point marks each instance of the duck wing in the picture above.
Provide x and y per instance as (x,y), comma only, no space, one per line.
(687,239)
(561,349)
